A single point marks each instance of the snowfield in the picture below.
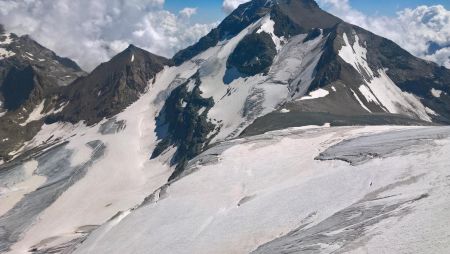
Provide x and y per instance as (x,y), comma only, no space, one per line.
(380,89)
(301,190)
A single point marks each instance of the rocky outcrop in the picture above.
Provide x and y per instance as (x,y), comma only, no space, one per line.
(183,123)
(30,77)
(110,87)
(253,55)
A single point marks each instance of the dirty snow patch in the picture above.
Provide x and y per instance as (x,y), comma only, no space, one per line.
(5,53)
(395,100)
(319,93)
(430,111)
(7,40)
(35,115)
(267,25)
(436,93)
(360,102)
(355,55)
(368,94)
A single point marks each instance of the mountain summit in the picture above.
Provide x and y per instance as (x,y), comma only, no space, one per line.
(30,76)
(110,87)
(291,17)
(276,64)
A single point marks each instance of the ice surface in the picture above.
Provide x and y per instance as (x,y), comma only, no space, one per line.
(118,181)
(55,168)
(13,188)
(268,194)
(363,149)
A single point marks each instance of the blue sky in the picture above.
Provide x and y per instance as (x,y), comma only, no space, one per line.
(390,7)
(210,10)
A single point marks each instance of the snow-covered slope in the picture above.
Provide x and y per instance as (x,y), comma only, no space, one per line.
(291,192)
(380,89)
(244,99)
(95,177)
(81,176)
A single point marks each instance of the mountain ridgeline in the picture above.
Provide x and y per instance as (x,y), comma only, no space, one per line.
(365,79)
(38,87)
(110,87)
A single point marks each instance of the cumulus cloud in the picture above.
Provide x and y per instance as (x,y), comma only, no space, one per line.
(424,31)
(91,32)
(188,12)
(229,5)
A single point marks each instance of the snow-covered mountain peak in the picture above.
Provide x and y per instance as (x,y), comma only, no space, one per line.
(273,55)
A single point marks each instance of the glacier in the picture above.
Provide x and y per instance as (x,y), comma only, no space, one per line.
(268,193)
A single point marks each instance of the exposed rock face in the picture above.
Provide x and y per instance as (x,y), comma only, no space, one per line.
(183,122)
(253,55)
(17,87)
(111,87)
(238,20)
(29,72)
(37,86)
(30,76)
(291,17)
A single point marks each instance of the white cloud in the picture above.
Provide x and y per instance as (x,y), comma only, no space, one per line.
(188,12)
(91,32)
(229,5)
(412,29)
